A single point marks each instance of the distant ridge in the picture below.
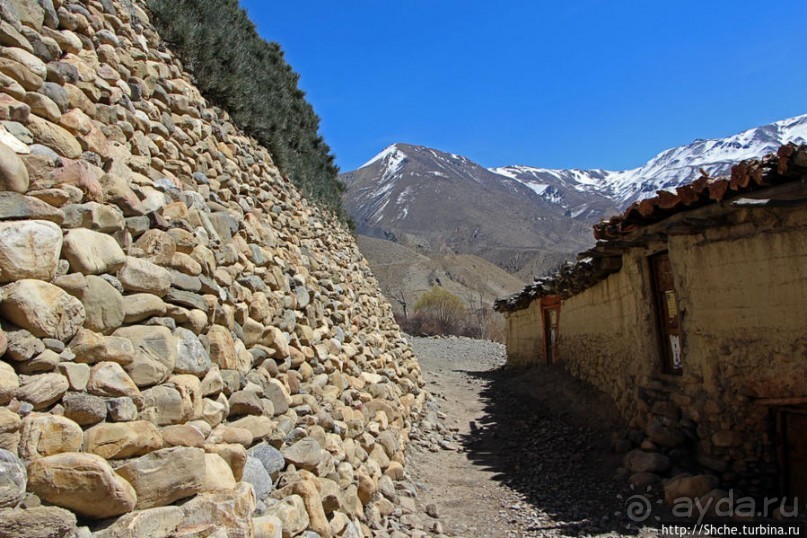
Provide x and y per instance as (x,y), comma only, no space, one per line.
(522,218)
(668,169)
(443,203)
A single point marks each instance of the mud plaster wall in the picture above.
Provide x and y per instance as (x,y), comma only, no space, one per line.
(743,303)
(525,342)
(606,334)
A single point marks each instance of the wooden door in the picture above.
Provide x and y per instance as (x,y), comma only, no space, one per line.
(669,325)
(793,423)
(550,312)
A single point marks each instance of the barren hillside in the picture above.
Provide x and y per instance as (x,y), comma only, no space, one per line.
(405,274)
(442,203)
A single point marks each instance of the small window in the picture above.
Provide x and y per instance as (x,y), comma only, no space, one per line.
(668,320)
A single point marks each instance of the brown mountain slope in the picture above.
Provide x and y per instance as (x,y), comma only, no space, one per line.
(441,203)
(404,274)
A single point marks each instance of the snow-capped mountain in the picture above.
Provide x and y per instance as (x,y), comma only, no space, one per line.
(573,191)
(524,218)
(666,170)
(443,202)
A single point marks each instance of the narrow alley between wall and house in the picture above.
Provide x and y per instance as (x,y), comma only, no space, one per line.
(509,453)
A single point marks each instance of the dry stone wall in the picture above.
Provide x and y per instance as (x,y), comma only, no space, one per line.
(188,348)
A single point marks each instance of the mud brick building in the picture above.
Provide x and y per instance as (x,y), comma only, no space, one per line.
(691,314)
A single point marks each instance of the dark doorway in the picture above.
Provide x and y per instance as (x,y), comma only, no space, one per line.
(550,312)
(793,451)
(667,317)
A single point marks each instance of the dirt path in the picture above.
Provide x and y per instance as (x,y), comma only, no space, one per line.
(512,454)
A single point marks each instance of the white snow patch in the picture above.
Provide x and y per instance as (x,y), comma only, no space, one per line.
(507,171)
(387,151)
(376,216)
(538,188)
(749,201)
(579,211)
(393,162)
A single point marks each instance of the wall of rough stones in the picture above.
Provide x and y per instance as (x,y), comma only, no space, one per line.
(188,347)
(743,302)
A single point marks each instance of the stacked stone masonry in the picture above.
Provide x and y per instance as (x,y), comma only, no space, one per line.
(188,348)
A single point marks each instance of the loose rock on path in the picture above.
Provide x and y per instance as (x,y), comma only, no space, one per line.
(512,453)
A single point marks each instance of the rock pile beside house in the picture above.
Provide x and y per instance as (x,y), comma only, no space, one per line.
(664,456)
(187,348)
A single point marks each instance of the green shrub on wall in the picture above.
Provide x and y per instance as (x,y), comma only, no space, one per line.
(249,78)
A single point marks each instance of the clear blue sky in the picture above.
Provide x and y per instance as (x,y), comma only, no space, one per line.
(566,84)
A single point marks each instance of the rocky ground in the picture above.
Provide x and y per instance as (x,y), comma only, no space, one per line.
(512,454)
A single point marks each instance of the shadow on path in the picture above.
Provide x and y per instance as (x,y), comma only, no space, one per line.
(546,435)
